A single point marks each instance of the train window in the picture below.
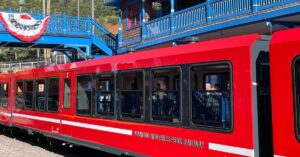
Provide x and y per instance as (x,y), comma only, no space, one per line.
(40,102)
(67,93)
(84,94)
(165,98)
(29,94)
(211,96)
(297,95)
(20,95)
(4,94)
(105,95)
(53,94)
(132,94)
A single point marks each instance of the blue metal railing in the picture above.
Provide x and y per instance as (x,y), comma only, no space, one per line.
(61,24)
(158,27)
(264,4)
(190,17)
(222,9)
(211,11)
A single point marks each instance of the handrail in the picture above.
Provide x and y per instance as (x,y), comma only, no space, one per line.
(205,13)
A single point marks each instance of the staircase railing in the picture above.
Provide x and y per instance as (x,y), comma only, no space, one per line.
(61,24)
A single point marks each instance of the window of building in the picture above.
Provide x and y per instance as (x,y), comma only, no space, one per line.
(40,102)
(53,94)
(20,95)
(67,93)
(133,15)
(166,95)
(4,94)
(132,95)
(105,95)
(84,94)
(29,94)
(211,95)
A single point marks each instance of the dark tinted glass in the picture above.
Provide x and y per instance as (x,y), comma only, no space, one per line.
(211,96)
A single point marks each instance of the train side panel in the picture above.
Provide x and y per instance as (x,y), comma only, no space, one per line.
(153,140)
(119,135)
(285,47)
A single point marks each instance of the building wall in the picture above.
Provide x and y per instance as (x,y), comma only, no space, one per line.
(128,34)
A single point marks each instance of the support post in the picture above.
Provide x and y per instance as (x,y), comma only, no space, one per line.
(254,5)
(88,29)
(208,11)
(143,20)
(172,20)
(120,36)
(65,23)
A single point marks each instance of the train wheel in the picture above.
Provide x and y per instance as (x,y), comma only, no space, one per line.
(39,139)
(51,143)
(11,132)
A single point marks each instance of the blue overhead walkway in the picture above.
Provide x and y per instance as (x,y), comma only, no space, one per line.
(210,20)
(64,32)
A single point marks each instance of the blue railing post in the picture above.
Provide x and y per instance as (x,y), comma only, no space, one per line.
(208,11)
(120,36)
(172,20)
(10,10)
(88,29)
(65,23)
(254,5)
(38,14)
(143,20)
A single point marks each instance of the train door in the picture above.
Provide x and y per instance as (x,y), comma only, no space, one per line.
(285,92)
(66,101)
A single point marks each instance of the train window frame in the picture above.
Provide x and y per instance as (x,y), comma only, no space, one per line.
(33,95)
(1,94)
(17,94)
(35,91)
(168,84)
(103,77)
(47,94)
(296,107)
(142,119)
(92,96)
(191,78)
(70,92)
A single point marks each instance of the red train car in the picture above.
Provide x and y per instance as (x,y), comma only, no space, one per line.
(207,99)
(284,61)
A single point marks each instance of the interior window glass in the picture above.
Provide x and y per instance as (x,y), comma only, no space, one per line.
(29,94)
(40,95)
(4,94)
(105,95)
(297,95)
(132,96)
(84,94)
(20,95)
(211,95)
(165,98)
(67,93)
(53,94)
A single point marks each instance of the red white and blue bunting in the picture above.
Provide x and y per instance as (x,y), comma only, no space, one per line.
(23,26)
